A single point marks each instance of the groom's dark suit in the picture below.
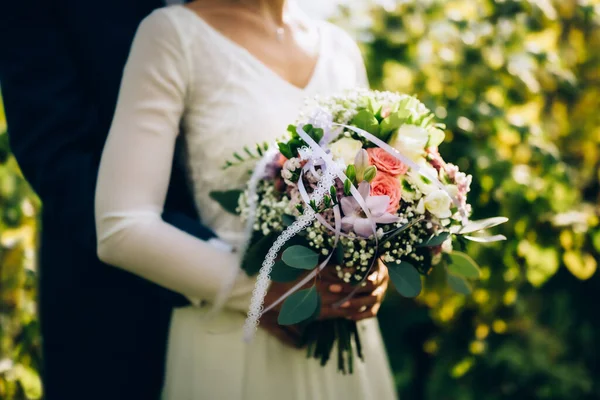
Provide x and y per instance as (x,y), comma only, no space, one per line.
(104,330)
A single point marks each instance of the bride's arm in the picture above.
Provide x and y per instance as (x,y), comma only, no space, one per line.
(135,170)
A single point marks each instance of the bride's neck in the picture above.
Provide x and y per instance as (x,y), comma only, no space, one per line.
(272,9)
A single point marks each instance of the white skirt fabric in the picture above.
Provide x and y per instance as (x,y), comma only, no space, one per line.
(207,360)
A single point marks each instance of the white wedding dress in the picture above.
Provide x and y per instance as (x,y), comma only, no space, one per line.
(182,72)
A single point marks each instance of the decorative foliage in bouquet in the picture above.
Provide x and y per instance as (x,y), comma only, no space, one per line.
(358,180)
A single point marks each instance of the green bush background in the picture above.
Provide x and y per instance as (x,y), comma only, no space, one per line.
(518,85)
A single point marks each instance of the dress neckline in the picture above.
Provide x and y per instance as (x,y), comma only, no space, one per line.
(253,59)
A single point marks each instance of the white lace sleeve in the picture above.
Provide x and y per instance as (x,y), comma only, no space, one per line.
(135,171)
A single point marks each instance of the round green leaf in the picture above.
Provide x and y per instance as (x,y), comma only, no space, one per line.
(300,257)
(458,284)
(435,240)
(300,306)
(406,279)
(463,265)
(283,274)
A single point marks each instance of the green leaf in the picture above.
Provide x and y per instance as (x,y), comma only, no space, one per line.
(299,306)
(229,200)
(288,219)
(463,265)
(475,226)
(317,134)
(435,240)
(392,122)
(300,257)
(366,120)
(458,284)
(283,274)
(372,106)
(406,278)
(284,149)
(256,253)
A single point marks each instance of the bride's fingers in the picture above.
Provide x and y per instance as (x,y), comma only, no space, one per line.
(368,313)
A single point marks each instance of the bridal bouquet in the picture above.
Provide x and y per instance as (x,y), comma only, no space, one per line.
(358,179)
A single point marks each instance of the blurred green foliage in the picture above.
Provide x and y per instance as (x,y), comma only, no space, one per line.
(518,85)
(19,330)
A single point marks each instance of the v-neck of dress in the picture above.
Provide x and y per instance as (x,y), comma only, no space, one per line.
(254,60)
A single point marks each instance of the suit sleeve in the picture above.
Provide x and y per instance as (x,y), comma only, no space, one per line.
(134,177)
(51,124)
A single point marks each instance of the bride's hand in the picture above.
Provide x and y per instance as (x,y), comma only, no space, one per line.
(365,303)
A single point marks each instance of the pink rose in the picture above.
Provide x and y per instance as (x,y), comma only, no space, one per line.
(386,185)
(385,162)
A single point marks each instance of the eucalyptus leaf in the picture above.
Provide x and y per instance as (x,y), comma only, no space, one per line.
(283,274)
(406,278)
(256,253)
(300,257)
(365,120)
(458,284)
(299,306)
(288,219)
(435,240)
(485,239)
(228,199)
(479,225)
(463,265)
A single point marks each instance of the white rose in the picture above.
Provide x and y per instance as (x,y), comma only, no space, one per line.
(424,184)
(438,203)
(345,149)
(410,140)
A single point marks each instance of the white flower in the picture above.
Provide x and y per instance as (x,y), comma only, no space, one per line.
(424,184)
(452,190)
(410,140)
(409,193)
(345,149)
(420,207)
(447,246)
(438,203)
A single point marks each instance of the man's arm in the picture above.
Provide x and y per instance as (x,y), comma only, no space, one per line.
(51,123)
(53,126)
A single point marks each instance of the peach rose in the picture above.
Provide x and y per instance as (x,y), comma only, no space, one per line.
(386,185)
(385,162)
